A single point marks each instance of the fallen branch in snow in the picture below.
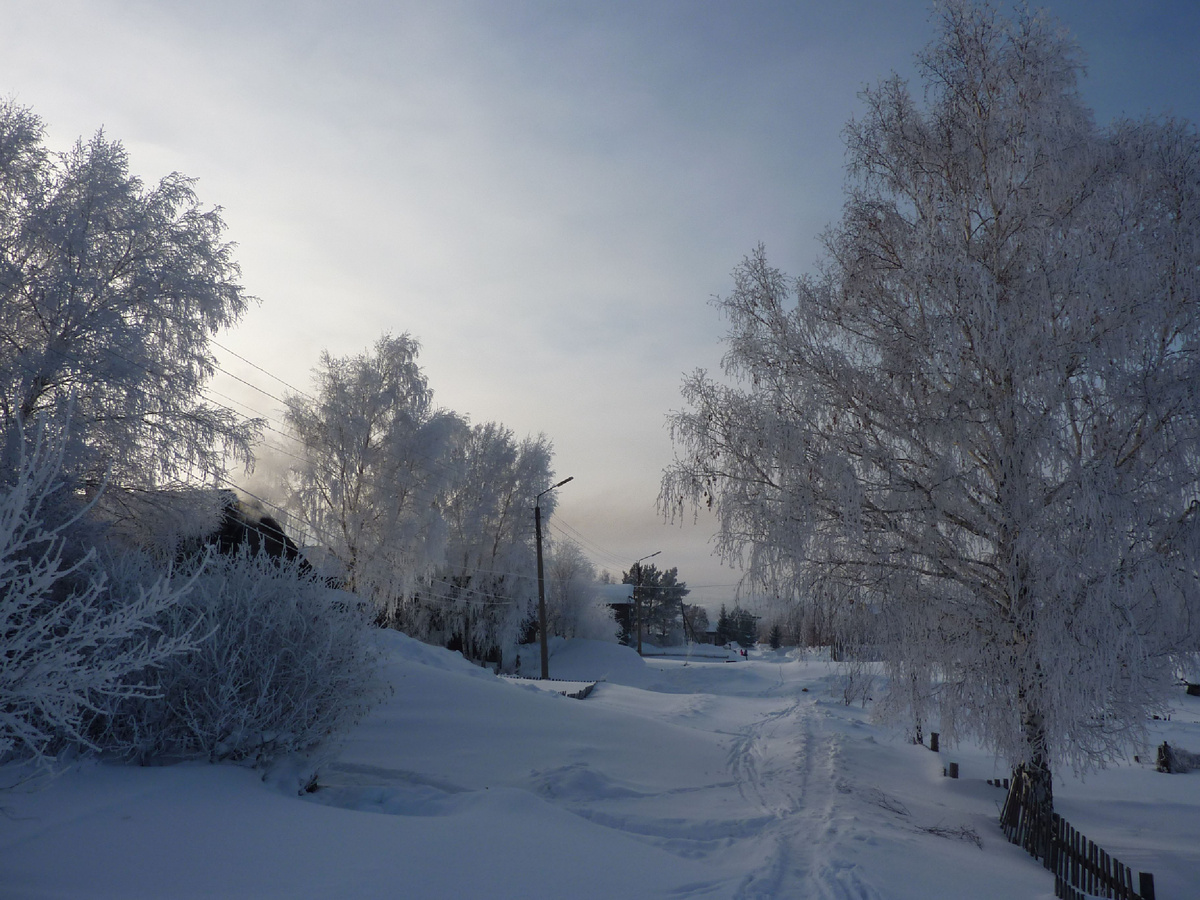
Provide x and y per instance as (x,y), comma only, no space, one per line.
(887,801)
(962,832)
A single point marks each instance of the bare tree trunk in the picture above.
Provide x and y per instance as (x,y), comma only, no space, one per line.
(1036,773)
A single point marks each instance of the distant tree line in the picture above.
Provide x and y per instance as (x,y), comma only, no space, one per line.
(737,626)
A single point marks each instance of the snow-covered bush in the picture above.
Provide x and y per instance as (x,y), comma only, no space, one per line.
(596,621)
(71,645)
(282,662)
(575,607)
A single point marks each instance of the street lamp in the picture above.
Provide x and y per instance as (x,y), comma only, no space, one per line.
(637,596)
(537,525)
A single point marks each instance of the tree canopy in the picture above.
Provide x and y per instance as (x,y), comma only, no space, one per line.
(109,294)
(375,463)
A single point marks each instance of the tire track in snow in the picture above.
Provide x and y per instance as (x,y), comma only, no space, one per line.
(745,760)
(787,763)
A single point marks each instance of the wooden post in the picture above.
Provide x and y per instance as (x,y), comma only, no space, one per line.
(933,741)
(1146,885)
(1055,856)
(953,770)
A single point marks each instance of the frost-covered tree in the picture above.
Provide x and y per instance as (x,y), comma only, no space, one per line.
(109,293)
(575,608)
(377,462)
(484,590)
(978,420)
(570,577)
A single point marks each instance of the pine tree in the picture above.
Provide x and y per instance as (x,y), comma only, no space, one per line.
(745,627)
(661,598)
(775,639)
(724,628)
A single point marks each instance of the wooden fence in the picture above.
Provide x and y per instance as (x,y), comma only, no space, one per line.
(1081,869)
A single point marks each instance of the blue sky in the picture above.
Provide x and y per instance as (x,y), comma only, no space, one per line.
(545,193)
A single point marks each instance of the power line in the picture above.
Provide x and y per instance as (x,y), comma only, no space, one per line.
(251,385)
(569,532)
(253,365)
(262,422)
(303,523)
(432,464)
(425,586)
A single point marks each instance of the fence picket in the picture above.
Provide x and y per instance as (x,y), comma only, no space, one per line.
(1090,863)
(1077,869)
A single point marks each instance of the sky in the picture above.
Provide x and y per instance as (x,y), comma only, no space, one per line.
(546,194)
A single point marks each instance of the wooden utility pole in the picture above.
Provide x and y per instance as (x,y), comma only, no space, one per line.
(537,528)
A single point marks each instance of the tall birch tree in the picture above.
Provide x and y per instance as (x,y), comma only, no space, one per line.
(486,588)
(978,419)
(376,464)
(110,291)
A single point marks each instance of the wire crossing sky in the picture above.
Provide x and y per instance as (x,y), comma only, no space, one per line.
(546,194)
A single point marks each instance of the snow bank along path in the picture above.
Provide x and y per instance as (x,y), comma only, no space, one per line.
(673,779)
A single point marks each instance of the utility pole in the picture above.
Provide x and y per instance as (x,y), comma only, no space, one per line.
(637,597)
(537,527)
(637,605)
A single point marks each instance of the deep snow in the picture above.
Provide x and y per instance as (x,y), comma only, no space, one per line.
(675,778)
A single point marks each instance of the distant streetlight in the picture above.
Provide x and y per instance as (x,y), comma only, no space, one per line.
(537,525)
(637,596)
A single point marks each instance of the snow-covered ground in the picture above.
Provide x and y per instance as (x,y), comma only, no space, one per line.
(675,778)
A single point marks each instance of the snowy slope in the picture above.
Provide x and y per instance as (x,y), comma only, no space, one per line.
(705,779)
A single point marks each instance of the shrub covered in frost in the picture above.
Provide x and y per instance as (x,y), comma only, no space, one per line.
(69,646)
(225,658)
(281,662)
